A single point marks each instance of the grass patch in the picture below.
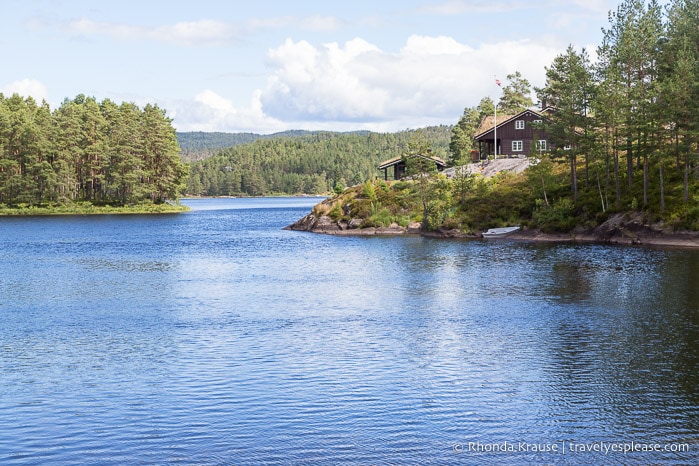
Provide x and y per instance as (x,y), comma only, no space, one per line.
(87,208)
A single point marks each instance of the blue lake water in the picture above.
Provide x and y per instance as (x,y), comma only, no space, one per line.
(215,337)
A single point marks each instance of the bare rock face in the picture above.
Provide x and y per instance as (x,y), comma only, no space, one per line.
(393,229)
(354,223)
(325,224)
(414,228)
(624,228)
(318,224)
(303,224)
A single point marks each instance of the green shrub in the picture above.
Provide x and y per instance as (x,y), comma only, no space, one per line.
(403,220)
(558,217)
(369,190)
(360,208)
(336,212)
(379,216)
(401,185)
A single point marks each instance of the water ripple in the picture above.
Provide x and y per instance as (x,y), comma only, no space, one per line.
(214,337)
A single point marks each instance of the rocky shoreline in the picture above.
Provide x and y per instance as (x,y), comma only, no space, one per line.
(618,229)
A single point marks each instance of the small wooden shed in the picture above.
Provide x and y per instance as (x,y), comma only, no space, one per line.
(399,166)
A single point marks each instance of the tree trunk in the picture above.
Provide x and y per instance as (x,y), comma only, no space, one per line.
(629,162)
(617,186)
(587,169)
(678,159)
(645,179)
(574,176)
(686,177)
(601,196)
(662,184)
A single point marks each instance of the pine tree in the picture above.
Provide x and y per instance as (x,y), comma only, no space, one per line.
(68,162)
(516,96)
(679,84)
(164,174)
(629,56)
(94,150)
(123,150)
(569,90)
(461,142)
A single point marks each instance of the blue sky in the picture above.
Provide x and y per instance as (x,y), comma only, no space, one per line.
(264,66)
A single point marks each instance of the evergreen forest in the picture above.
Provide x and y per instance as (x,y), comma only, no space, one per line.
(87,151)
(199,145)
(312,163)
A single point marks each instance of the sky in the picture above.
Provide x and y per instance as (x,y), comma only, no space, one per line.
(264,66)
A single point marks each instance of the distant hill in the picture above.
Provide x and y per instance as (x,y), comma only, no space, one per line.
(294,162)
(199,145)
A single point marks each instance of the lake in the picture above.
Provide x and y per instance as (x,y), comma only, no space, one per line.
(215,337)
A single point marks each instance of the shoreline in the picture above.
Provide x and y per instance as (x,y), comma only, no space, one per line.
(674,239)
(89,209)
(618,230)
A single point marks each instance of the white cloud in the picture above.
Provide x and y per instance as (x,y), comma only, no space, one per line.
(26,88)
(431,78)
(191,33)
(204,32)
(311,23)
(456,7)
(209,111)
(324,82)
(215,102)
(356,85)
(596,6)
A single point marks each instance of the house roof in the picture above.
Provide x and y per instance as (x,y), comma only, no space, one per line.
(488,123)
(395,160)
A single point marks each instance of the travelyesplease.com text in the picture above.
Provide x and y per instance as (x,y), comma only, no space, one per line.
(569,447)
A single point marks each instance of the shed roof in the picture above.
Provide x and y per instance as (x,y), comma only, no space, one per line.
(396,160)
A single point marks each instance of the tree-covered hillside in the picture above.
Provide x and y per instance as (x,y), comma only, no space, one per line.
(313,163)
(199,145)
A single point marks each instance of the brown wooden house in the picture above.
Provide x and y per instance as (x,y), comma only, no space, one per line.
(517,135)
(398,164)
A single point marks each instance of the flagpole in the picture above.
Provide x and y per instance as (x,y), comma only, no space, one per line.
(495,125)
(495,136)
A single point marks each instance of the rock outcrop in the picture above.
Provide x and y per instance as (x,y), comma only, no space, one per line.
(623,228)
(325,224)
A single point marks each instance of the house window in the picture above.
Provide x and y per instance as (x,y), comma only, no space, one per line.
(519,124)
(537,122)
(566,147)
(517,146)
(541,144)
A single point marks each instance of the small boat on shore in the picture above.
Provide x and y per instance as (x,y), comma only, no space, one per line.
(499,232)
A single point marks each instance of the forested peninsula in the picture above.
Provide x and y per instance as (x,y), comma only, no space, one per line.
(620,163)
(87,157)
